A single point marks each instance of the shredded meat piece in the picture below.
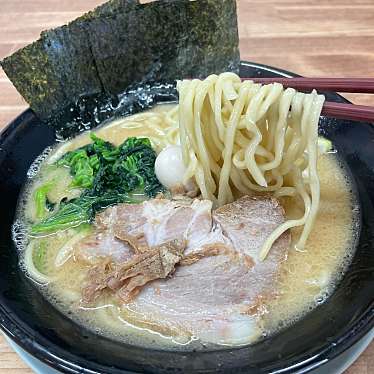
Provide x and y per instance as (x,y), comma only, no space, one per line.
(127,279)
(157,263)
(137,242)
(207,250)
(216,250)
(96,281)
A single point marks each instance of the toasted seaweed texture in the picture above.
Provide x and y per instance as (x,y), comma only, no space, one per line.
(33,74)
(110,8)
(121,44)
(69,52)
(165,41)
(57,69)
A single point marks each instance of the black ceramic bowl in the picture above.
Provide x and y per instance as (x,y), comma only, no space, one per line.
(28,319)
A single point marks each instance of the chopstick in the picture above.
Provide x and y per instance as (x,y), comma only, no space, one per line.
(331,109)
(356,85)
(351,112)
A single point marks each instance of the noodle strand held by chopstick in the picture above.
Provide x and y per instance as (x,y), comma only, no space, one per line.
(251,138)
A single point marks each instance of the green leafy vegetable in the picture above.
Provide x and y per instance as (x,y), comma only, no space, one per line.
(41,200)
(77,211)
(102,167)
(49,205)
(39,256)
(82,167)
(109,175)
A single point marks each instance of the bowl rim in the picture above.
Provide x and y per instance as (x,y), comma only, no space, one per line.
(26,341)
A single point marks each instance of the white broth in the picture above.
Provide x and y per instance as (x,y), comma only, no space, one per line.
(306,278)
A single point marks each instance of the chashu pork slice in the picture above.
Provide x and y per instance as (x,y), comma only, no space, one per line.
(217,292)
(214,299)
(103,243)
(247,223)
(125,227)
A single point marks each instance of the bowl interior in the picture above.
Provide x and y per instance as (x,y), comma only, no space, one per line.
(325,332)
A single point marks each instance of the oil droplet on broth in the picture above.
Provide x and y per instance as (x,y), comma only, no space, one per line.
(36,165)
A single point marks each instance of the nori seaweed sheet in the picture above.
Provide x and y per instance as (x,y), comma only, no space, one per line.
(71,45)
(123,43)
(57,69)
(70,53)
(169,40)
(33,74)
(110,8)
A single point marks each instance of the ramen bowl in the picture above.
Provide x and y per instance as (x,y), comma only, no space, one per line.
(28,319)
